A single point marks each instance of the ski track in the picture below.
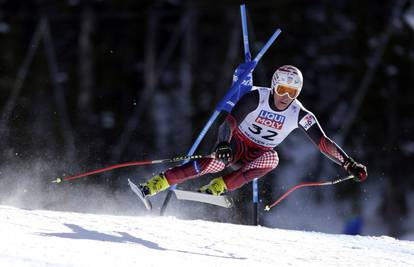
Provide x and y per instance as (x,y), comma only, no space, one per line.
(51,238)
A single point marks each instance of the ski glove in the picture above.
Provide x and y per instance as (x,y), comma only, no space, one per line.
(356,169)
(224,152)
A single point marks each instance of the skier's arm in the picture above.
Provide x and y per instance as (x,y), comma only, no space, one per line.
(311,127)
(244,106)
(226,129)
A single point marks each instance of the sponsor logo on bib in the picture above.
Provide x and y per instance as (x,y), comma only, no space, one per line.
(270,119)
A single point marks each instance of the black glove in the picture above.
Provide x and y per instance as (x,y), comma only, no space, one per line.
(356,169)
(224,153)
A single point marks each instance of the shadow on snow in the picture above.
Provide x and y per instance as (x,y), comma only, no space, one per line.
(82,233)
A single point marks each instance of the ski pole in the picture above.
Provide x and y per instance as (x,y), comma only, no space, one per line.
(336,181)
(136,163)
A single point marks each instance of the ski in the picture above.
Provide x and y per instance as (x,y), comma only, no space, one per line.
(222,201)
(140,195)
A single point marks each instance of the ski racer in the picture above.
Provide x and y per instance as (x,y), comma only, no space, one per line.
(247,139)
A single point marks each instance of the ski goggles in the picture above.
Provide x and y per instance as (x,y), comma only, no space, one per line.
(290,91)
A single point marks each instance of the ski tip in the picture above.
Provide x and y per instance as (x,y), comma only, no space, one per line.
(267,208)
(140,195)
(57,180)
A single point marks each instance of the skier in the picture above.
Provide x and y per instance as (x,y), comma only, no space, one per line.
(258,123)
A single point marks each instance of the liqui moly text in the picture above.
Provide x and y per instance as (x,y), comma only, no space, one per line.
(270,119)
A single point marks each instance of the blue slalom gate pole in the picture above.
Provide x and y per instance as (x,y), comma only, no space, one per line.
(267,45)
(247,55)
(242,83)
(255,188)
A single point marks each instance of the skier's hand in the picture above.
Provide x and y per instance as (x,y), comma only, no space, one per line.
(224,152)
(356,169)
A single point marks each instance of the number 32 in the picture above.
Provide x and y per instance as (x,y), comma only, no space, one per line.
(258,130)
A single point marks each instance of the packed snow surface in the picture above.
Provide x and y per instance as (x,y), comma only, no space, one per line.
(51,238)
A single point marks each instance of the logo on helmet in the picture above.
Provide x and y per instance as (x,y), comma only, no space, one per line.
(288,75)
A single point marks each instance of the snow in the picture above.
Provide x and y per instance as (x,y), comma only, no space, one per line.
(53,238)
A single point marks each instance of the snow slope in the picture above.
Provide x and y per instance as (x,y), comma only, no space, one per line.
(50,238)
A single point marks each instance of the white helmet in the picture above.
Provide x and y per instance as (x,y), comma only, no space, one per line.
(288,75)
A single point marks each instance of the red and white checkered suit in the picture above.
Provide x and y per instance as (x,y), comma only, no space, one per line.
(255,162)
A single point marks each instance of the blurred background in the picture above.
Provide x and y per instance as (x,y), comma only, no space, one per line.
(87,84)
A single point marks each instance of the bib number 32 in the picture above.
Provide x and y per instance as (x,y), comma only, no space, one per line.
(267,134)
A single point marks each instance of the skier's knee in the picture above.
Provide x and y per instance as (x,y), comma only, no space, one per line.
(271,159)
(213,166)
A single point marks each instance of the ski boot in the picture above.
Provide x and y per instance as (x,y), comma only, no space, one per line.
(216,187)
(154,185)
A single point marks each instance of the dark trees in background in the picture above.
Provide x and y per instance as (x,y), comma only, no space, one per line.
(98,82)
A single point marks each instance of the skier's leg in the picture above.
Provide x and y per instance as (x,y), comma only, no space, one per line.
(218,186)
(254,169)
(180,174)
(193,169)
